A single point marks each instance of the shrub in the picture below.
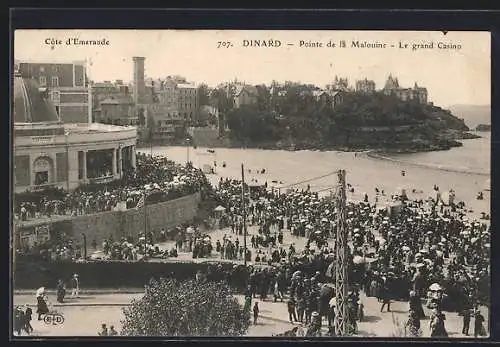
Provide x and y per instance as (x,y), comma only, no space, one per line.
(187,308)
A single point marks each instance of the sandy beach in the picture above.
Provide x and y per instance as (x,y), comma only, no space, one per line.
(364,173)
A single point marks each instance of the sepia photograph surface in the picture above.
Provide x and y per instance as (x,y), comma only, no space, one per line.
(230,183)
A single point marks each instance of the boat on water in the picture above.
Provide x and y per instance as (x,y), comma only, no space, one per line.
(487,185)
(211,150)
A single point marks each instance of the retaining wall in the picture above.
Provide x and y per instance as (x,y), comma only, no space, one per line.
(118,224)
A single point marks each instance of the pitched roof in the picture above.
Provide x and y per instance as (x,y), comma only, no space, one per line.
(248,88)
(318,93)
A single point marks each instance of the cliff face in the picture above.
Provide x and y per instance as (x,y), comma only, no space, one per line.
(473,115)
(360,121)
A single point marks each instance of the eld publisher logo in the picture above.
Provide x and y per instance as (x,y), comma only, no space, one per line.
(54,318)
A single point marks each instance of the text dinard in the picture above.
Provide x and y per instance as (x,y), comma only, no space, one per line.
(272,43)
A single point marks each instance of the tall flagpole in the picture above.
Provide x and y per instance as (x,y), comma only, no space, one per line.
(244,214)
(145,223)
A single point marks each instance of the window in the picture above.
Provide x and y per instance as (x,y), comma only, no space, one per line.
(42,69)
(41,177)
(56,97)
(43,81)
(55,81)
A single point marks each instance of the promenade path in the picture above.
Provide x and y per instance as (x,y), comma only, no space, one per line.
(84,315)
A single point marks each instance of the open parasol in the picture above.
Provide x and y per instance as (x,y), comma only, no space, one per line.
(40,291)
(435,287)
(358,260)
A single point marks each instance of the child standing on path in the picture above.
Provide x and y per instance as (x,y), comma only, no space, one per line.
(255,312)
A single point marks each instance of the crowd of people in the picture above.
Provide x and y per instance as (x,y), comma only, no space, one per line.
(424,251)
(395,253)
(155,177)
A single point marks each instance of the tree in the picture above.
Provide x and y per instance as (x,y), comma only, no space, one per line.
(222,98)
(188,308)
(141,117)
(203,95)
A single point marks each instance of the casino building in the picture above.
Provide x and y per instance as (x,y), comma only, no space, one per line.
(50,153)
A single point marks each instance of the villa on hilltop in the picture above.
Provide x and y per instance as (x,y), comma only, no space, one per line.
(416,93)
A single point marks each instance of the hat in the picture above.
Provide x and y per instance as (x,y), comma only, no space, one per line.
(75,275)
(315,314)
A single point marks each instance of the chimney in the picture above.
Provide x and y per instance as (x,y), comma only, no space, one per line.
(139,87)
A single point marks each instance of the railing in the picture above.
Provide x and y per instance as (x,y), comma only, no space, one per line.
(101,180)
(39,187)
(42,139)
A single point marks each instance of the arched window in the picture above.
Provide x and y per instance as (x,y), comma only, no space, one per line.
(43,168)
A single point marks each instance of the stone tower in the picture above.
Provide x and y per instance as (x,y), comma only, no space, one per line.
(139,87)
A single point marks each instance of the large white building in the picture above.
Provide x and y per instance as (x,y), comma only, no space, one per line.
(49,153)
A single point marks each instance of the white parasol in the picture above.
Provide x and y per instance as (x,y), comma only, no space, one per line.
(435,287)
(40,291)
(358,260)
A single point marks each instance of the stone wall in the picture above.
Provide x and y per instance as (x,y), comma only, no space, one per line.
(131,222)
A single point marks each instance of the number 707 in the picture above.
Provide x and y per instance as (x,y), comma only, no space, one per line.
(224,44)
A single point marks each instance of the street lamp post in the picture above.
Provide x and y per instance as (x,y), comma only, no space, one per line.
(151,142)
(187,147)
(120,160)
(84,246)
(66,134)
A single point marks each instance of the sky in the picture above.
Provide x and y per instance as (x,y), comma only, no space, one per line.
(452,76)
